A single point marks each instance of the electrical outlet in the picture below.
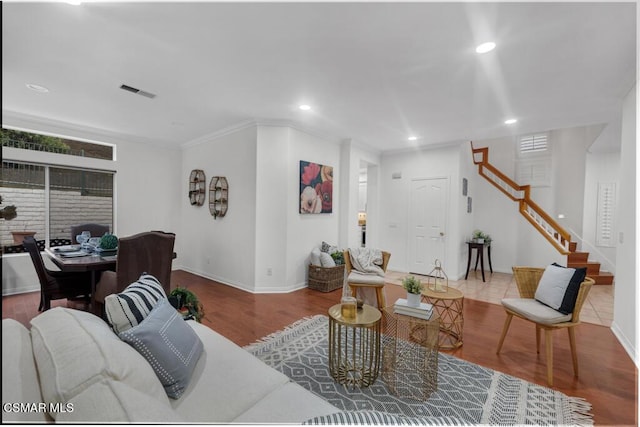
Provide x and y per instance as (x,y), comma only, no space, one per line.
(269,271)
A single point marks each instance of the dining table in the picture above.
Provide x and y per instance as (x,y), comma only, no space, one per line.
(74,258)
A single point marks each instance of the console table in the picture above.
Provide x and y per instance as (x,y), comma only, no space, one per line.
(479,247)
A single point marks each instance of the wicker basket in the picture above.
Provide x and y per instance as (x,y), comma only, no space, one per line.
(326,279)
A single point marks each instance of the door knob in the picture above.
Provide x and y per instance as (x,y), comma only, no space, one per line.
(441,233)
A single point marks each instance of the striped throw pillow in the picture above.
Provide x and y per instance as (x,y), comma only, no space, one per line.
(130,307)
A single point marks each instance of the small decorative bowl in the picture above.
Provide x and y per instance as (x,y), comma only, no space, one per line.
(359,303)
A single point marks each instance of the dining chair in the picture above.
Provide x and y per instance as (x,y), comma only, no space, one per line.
(149,252)
(358,281)
(96,230)
(544,317)
(56,284)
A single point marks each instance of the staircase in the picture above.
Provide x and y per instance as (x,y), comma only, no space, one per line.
(541,221)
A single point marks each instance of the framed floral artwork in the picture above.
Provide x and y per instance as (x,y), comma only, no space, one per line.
(316,188)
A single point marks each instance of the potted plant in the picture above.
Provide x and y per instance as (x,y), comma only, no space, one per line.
(187,303)
(413,287)
(481,237)
(8,212)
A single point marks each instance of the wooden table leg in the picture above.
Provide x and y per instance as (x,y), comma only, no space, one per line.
(489,254)
(468,264)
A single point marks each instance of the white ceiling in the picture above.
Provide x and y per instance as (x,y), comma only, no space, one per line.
(373,72)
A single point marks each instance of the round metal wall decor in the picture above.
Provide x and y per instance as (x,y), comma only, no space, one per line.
(197,187)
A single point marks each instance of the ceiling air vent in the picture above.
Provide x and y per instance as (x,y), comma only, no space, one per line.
(137,91)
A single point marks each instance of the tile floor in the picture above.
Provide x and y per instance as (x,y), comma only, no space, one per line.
(597,310)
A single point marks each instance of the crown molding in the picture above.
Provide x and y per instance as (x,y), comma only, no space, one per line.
(245,124)
(46,126)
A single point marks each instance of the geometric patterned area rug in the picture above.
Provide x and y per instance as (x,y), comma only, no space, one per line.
(466,391)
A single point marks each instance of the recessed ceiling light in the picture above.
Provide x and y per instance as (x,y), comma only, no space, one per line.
(37,88)
(485,47)
(74,2)
(510,121)
(412,138)
(305,107)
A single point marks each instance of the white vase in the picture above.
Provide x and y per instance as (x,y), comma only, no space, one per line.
(413,300)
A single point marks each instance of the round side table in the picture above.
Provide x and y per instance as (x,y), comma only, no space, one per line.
(354,346)
(449,306)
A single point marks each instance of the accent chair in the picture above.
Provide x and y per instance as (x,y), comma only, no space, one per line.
(544,317)
(356,280)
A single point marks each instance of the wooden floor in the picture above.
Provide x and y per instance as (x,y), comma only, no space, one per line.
(607,379)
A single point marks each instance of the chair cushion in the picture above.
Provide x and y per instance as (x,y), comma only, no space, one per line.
(130,307)
(535,311)
(170,346)
(365,279)
(74,349)
(558,287)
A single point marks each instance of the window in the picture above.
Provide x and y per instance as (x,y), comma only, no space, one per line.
(533,143)
(533,166)
(50,198)
(53,144)
(606,213)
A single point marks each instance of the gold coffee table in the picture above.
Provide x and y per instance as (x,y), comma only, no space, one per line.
(354,346)
(448,305)
(410,354)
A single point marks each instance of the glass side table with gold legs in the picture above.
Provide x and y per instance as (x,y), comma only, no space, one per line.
(354,346)
(410,354)
(448,306)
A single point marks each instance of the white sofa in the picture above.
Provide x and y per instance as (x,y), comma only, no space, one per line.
(71,367)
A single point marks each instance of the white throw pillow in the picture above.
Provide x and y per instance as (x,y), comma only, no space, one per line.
(326,260)
(315,257)
(558,287)
(130,307)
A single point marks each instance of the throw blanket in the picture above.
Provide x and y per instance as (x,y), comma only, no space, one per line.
(366,260)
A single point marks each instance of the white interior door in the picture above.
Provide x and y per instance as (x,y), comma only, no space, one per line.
(427,223)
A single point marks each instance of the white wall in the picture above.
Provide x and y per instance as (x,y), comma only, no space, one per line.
(148,189)
(284,238)
(626,281)
(221,249)
(304,232)
(395,193)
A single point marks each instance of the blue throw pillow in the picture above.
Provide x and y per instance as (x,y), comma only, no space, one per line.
(169,344)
